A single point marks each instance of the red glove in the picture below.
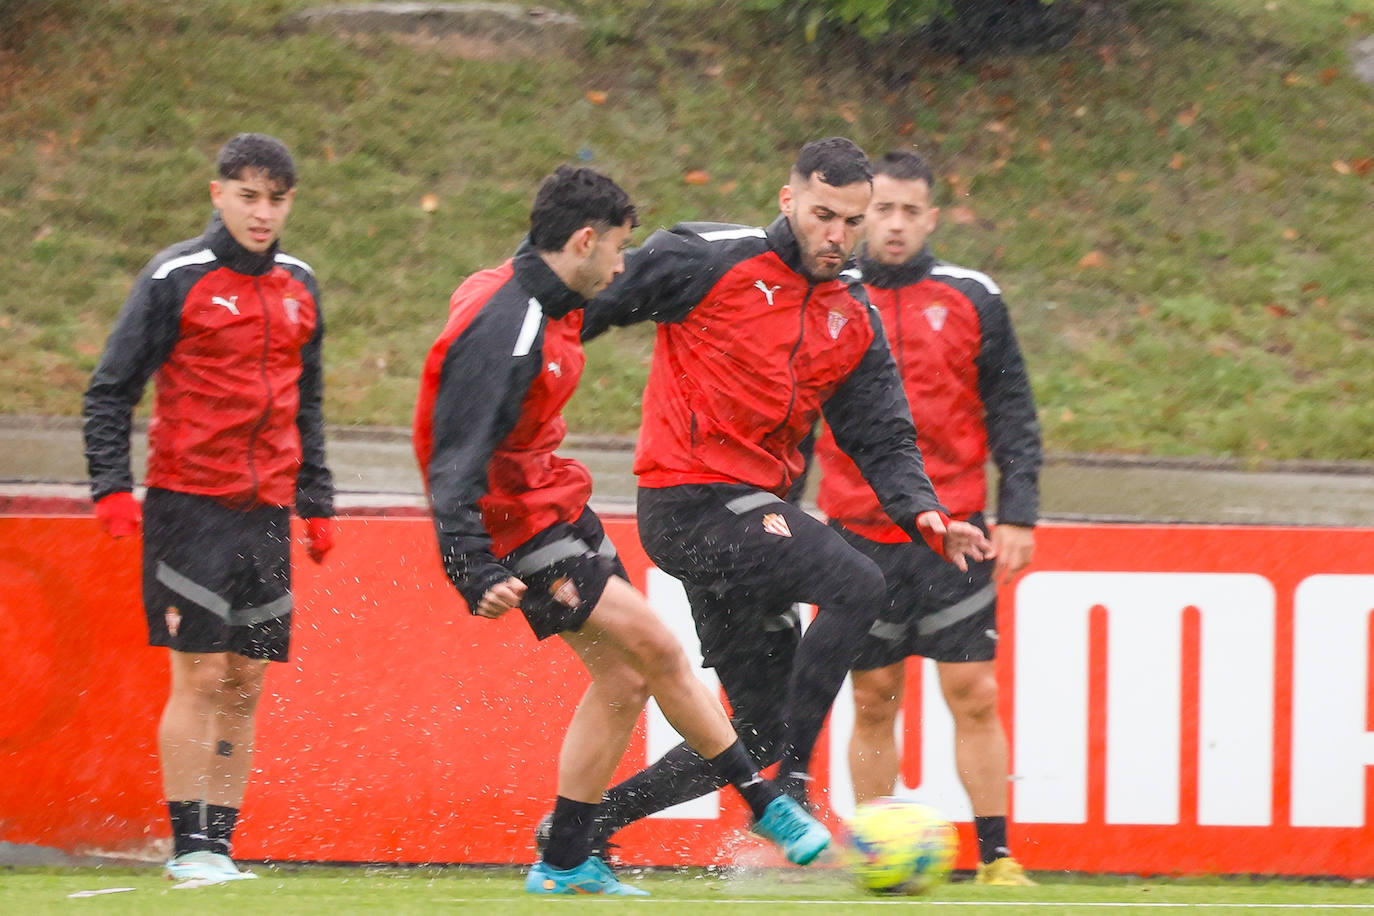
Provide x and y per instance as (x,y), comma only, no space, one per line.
(119,514)
(319,538)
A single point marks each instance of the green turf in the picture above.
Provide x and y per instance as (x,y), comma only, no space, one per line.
(334,891)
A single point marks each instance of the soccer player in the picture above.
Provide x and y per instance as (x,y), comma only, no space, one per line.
(514,529)
(967,386)
(231,327)
(757,336)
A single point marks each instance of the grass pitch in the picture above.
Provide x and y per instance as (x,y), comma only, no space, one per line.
(290,889)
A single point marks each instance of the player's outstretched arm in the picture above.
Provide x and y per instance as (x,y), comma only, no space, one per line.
(959,541)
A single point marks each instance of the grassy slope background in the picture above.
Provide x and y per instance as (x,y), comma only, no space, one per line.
(1177,204)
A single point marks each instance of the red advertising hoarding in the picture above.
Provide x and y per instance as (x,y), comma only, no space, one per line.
(1179,699)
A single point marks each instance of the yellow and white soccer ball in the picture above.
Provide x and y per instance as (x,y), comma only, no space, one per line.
(898,846)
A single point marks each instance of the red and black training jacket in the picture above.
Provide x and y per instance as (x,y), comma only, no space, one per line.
(489,416)
(749,352)
(966,382)
(232,340)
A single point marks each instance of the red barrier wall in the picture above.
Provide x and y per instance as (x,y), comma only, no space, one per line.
(406,730)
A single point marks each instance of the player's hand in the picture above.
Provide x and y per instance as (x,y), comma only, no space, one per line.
(958,542)
(1014,546)
(319,538)
(501,597)
(119,514)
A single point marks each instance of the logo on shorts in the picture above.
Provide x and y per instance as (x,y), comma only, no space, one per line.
(564,592)
(835,323)
(774,523)
(173,619)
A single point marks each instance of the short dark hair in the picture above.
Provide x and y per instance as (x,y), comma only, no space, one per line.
(906,164)
(573,197)
(837,160)
(257,151)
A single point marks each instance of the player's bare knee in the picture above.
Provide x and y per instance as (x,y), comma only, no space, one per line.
(202,676)
(624,686)
(876,705)
(975,701)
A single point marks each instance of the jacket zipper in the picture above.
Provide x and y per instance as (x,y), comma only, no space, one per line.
(791,368)
(266,384)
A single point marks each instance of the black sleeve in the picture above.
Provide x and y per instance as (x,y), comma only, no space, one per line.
(1009,414)
(663,280)
(871,421)
(797,492)
(143,337)
(481,388)
(314,483)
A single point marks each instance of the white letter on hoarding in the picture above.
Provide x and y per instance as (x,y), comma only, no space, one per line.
(939,787)
(1332,744)
(668,598)
(1144,667)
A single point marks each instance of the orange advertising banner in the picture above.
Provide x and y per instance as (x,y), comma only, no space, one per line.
(1179,699)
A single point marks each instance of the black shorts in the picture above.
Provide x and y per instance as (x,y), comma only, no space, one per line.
(933,610)
(216,579)
(565,568)
(745,558)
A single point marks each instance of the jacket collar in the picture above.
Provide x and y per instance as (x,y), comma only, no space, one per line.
(785,245)
(534,274)
(233,255)
(885,276)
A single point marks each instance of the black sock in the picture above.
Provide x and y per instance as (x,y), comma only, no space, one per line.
(678,776)
(793,783)
(819,668)
(188,827)
(219,826)
(992,838)
(734,766)
(569,842)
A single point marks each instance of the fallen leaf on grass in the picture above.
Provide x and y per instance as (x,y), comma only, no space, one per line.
(1342,167)
(596,97)
(1277,310)
(1091,260)
(697,176)
(1188,116)
(1328,76)
(429,203)
(1176,162)
(1362,166)
(962,216)
(1290,234)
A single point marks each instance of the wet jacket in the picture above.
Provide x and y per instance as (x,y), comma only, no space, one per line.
(749,352)
(489,417)
(966,383)
(232,340)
